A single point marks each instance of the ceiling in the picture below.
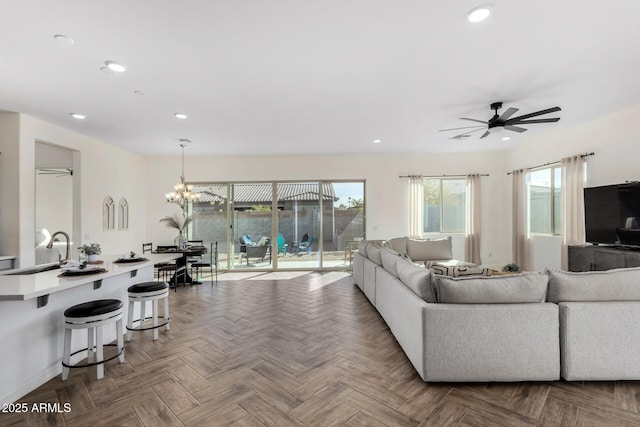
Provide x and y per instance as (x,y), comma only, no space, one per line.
(295,76)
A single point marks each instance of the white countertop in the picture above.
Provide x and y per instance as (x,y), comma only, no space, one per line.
(26,287)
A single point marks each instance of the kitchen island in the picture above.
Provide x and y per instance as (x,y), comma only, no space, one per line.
(31,312)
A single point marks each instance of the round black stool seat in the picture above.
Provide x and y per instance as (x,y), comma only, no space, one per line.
(147,287)
(93,308)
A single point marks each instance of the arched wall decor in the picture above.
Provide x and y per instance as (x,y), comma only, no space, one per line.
(123,214)
(108,214)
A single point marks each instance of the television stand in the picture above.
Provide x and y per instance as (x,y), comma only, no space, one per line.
(600,257)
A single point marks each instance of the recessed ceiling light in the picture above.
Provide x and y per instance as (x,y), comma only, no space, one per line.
(115,66)
(478,14)
(180,115)
(377,141)
(63,38)
(78,116)
(506,138)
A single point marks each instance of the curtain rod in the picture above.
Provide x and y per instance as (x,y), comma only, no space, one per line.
(444,176)
(554,163)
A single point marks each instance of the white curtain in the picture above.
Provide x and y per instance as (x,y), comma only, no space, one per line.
(416,206)
(572,205)
(472,237)
(521,241)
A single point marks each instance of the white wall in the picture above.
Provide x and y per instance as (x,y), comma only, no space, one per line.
(386,195)
(9,184)
(103,170)
(613,139)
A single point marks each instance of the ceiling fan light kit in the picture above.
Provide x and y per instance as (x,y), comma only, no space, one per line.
(504,121)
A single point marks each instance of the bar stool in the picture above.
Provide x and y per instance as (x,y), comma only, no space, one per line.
(92,315)
(143,292)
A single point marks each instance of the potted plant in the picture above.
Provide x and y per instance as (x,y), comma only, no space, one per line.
(91,250)
(179,222)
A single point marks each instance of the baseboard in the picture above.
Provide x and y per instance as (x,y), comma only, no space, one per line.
(33,384)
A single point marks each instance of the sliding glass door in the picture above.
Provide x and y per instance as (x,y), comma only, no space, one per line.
(298,225)
(343,222)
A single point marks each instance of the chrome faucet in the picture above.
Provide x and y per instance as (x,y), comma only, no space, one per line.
(50,245)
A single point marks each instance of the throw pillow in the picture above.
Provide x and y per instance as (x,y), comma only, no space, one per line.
(621,284)
(457,270)
(508,289)
(424,250)
(398,244)
(416,278)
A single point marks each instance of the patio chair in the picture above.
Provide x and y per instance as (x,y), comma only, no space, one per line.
(257,250)
(282,246)
(305,244)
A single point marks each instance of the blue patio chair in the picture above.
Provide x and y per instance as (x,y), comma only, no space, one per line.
(282,246)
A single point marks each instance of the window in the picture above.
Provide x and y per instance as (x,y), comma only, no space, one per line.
(545,203)
(445,205)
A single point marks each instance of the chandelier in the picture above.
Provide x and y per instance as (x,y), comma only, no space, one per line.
(183,194)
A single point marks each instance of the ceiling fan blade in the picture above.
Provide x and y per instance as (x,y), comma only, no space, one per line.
(514,128)
(464,127)
(508,113)
(537,113)
(524,122)
(466,134)
(485,134)
(474,120)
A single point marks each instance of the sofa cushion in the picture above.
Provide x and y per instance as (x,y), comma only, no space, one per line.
(362,248)
(459,271)
(374,251)
(506,289)
(398,244)
(621,284)
(389,260)
(416,278)
(423,250)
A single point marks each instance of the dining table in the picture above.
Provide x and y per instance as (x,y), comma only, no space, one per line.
(181,276)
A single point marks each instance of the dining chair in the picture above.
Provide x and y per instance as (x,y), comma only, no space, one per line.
(195,258)
(147,248)
(168,267)
(212,263)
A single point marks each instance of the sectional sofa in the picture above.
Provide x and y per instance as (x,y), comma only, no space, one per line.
(531,326)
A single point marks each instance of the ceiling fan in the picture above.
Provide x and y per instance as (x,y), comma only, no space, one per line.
(504,121)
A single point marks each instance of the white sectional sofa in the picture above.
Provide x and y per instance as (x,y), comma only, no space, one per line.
(504,340)
(521,327)
(599,323)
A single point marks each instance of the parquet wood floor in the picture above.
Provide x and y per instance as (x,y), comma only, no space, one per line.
(301,349)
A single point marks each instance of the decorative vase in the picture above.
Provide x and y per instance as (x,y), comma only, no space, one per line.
(92,258)
(180,241)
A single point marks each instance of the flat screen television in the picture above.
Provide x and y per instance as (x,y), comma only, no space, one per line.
(612,214)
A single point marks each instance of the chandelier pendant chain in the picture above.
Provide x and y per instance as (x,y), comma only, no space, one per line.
(183,193)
